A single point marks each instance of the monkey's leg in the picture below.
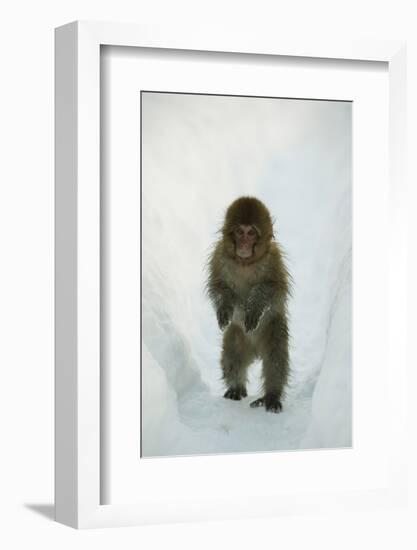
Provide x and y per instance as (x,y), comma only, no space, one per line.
(275,363)
(237,354)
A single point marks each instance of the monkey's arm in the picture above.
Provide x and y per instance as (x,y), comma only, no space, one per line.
(261,296)
(223,299)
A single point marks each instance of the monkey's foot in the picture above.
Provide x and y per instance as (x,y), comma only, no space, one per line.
(270,401)
(236,393)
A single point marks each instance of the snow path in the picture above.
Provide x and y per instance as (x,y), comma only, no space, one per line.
(226,426)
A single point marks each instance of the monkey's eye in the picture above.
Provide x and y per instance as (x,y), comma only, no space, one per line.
(251,232)
(239,231)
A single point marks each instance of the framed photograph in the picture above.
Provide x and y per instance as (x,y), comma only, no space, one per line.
(226,271)
(278,271)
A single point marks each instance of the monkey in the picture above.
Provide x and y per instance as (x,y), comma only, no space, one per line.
(249,285)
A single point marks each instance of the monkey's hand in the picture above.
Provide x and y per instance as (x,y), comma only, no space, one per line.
(224,315)
(252,317)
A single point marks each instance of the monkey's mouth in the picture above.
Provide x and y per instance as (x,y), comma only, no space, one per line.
(244,254)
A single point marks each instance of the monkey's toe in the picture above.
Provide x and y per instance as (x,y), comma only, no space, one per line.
(270,401)
(235,393)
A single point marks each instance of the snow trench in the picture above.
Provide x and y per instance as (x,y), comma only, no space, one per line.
(185,414)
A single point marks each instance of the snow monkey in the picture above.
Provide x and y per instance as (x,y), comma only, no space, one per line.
(248,285)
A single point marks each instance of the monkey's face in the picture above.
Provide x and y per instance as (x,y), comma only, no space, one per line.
(245,238)
(247,230)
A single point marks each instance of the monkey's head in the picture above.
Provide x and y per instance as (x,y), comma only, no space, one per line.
(247,230)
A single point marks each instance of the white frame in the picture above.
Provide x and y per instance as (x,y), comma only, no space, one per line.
(77,210)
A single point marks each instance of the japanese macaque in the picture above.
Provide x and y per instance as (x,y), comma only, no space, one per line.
(248,285)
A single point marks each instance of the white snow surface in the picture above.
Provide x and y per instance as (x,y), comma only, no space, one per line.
(199,153)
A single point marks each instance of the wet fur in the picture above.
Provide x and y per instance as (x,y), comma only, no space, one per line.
(250,299)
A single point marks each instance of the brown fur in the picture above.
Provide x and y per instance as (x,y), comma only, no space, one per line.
(250,299)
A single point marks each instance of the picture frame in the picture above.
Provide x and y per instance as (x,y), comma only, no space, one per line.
(78,407)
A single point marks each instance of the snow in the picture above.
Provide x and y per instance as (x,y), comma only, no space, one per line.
(199,153)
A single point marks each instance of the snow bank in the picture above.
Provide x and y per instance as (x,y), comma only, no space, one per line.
(331,424)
